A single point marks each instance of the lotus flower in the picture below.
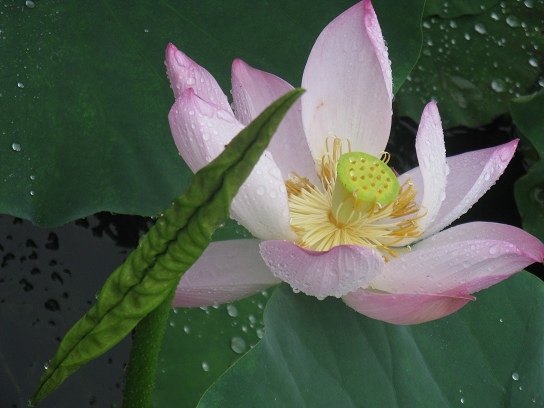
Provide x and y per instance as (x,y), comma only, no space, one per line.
(329,216)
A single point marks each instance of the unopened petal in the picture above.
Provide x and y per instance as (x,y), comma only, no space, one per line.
(200,129)
(346,92)
(336,272)
(461,260)
(253,91)
(184,73)
(226,271)
(470,176)
(404,308)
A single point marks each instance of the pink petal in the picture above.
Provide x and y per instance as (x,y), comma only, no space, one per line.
(374,31)
(404,308)
(200,129)
(431,154)
(471,175)
(346,92)
(343,269)
(184,73)
(226,271)
(461,260)
(262,205)
(255,90)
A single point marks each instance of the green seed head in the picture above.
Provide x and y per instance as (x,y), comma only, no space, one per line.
(368,177)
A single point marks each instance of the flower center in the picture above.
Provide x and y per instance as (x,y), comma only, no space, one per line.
(361,203)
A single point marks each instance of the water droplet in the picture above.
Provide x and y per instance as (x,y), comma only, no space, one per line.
(30,404)
(186,329)
(30,4)
(232,311)
(261,190)
(467,36)
(16,147)
(205,366)
(46,364)
(32,177)
(20,85)
(533,62)
(32,192)
(528,3)
(191,112)
(498,85)
(462,400)
(260,333)
(146,30)
(515,376)
(238,345)
(190,81)
(500,320)
(273,193)
(206,136)
(480,28)
(494,250)
(512,21)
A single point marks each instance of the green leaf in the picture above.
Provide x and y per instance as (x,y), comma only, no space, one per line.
(473,65)
(89,122)
(200,344)
(323,354)
(174,243)
(401,27)
(457,8)
(527,114)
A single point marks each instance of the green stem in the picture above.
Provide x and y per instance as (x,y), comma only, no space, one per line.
(144,354)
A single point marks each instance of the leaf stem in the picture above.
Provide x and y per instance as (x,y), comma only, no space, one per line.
(144,354)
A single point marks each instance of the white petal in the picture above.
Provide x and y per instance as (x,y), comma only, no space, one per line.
(226,271)
(431,154)
(346,92)
(261,204)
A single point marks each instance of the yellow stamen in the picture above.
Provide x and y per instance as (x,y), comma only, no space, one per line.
(349,213)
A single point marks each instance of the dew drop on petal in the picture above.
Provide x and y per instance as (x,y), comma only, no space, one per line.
(261,190)
(494,250)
